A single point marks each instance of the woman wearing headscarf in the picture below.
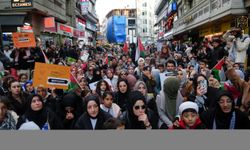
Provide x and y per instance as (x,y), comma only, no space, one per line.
(122,95)
(203,95)
(36,112)
(94,117)
(141,87)
(167,103)
(224,115)
(71,109)
(137,115)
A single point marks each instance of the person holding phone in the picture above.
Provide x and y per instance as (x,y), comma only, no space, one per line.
(203,95)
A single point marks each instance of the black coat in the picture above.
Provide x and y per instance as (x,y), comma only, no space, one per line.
(74,101)
(121,100)
(54,121)
(210,102)
(84,121)
(16,106)
(129,124)
(242,121)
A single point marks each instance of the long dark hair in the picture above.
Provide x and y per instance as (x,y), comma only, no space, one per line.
(123,80)
(98,87)
(195,82)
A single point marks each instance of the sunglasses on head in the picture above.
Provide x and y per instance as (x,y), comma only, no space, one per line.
(138,107)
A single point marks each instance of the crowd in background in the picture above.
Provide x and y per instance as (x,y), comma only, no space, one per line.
(174,87)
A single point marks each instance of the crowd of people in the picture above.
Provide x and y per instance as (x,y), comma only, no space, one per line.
(175,87)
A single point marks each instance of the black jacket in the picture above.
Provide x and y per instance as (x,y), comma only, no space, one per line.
(129,124)
(210,102)
(242,121)
(54,121)
(16,106)
(84,121)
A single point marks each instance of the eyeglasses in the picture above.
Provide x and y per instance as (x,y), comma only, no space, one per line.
(138,107)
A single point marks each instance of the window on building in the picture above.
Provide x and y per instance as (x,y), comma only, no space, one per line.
(68,7)
(131,22)
(144,4)
(144,30)
(145,21)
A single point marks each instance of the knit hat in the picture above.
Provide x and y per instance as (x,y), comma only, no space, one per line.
(29,126)
(141,60)
(188,105)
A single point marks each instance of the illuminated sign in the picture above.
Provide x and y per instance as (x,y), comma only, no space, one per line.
(21,3)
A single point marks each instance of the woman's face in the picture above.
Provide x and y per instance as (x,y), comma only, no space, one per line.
(15,88)
(107,101)
(139,108)
(131,70)
(83,83)
(109,74)
(36,104)
(92,108)
(180,75)
(225,104)
(3,111)
(142,89)
(103,86)
(123,87)
(23,78)
(123,75)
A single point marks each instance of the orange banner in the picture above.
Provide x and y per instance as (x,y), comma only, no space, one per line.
(50,76)
(22,40)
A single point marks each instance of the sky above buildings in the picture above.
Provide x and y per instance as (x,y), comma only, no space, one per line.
(104,6)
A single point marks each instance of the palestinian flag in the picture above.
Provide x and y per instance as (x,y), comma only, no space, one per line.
(140,50)
(73,83)
(218,70)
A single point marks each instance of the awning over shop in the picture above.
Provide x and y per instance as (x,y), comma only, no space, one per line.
(10,20)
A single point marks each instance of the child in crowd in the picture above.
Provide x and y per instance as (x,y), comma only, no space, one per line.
(189,117)
(114,123)
(108,105)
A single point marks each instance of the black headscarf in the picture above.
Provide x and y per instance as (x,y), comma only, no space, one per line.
(222,119)
(96,99)
(38,117)
(134,96)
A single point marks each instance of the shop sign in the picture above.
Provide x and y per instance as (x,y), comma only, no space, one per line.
(21,3)
(49,22)
(64,29)
(91,26)
(78,33)
(84,6)
(80,24)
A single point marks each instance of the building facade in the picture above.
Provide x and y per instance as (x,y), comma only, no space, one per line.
(130,22)
(194,19)
(146,20)
(69,23)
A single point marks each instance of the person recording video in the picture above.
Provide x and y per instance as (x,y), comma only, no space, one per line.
(240,44)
